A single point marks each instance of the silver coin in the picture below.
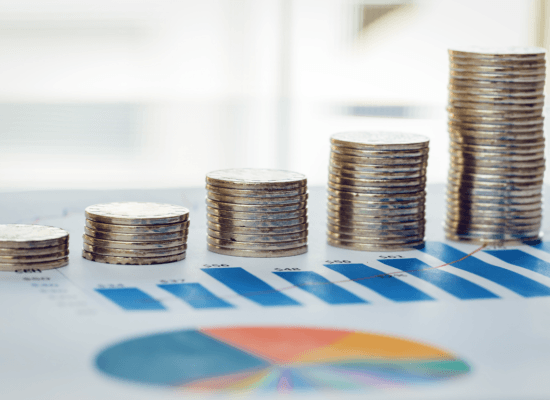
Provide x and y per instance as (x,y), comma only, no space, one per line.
(493,199)
(270,201)
(258,216)
(496,163)
(492,62)
(495,98)
(339,225)
(497,77)
(387,176)
(261,238)
(376,183)
(478,205)
(478,83)
(468,105)
(114,252)
(486,148)
(23,236)
(36,251)
(493,242)
(375,205)
(374,212)
(539,69)
(117,244)
(19,259)
(136,237)
(496,157)
(379,168)
(256,192)
(497,171)
(252,223)
(504,115)
(382,198)
(257,253)
(407,229)
(133,213)
(246,230)
(492,91)
(41,266)
(475,177)
(341,158)
(378,190)
(251,208)
(379,153)
(368,219)
(375,239)
(233,244)
(342,232)
(374,247)
(131,260)
(480,129)
(504,52)
(380,140)
(492,233)
(138,229)
(464,212)
(457,137)
(255,178)
(481,191)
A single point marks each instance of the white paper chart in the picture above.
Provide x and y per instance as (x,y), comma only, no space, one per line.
(326,324)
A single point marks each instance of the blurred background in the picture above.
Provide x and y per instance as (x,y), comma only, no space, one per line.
(155,93)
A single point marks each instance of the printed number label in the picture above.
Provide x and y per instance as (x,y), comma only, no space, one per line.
(110,286)
(386,257)
(215,265)
(172,280)
(287,269)
(337,262)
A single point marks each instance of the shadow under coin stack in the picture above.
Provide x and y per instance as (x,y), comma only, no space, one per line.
(33,247)
(376,191)
(495,109)
(135,233)
(257,212)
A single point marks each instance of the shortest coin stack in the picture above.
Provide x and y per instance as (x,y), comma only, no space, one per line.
(33,247)
(376,191)
(256,212)
(135,233)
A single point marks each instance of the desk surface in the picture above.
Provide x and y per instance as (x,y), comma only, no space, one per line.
(324,324)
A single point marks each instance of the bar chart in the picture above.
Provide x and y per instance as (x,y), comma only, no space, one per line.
(374,278)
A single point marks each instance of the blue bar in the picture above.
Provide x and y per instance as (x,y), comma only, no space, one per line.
(521,259)
(386,285)
(321,287)
(131,299)
(544,246)
(196,295)
(251,287)
(455,285)
(515,282)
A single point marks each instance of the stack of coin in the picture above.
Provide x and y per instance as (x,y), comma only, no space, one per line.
(135,233)
(256,212)
(376,190)
(33,247)
(495,109)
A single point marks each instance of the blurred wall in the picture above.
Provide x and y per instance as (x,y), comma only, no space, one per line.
(118,93)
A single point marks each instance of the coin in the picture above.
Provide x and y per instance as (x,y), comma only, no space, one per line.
(504,52)
(376,239)
(343,158)
(382,198)
(464,212)
(251,178)
(495,98)
(347,223)
(475,149)
(379,168)
(539,69)
(493,199)
(452,203)
(137,237)
(375,182)
(490,83)
(374,205)
(232,244)
(375,247)
(463,176)
(350,216)
(132,213)
(258,200)
(138,229)
(131,260)
(348,173)
(380,140)
(256,192)
(257,253)
(493,242)
(467,105)
(114,252)
(34,251)
(336,232)
(252,223)
(251,208)
(257,238)
(468,90)
(35,265)
(117,244)
(21,236)
(276,230)
(259,216)
(374,211)
(19,259)
(379,190)
(379,153)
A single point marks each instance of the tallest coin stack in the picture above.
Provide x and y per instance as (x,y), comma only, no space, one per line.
(495,109)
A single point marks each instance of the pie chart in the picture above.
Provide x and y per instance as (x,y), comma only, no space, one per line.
(278,359)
